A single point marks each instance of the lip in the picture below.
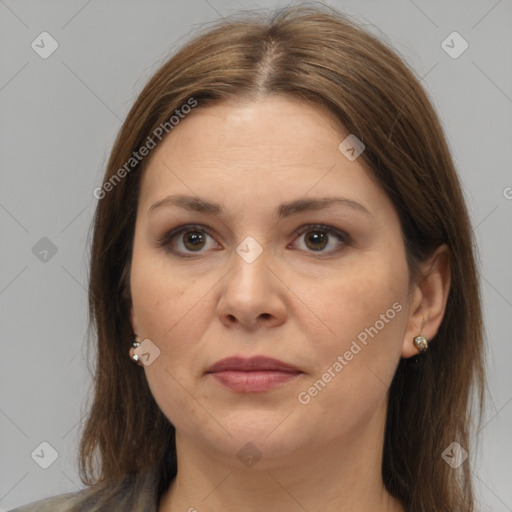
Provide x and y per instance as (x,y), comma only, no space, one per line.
(251,364)
(251,375)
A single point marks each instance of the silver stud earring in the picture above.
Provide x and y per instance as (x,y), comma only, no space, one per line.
(135,358)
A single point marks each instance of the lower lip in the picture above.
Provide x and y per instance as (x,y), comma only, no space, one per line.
(254,381)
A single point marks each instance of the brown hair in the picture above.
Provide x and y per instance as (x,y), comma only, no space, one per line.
(319,56)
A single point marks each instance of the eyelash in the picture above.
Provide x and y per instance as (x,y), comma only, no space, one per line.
(166,240)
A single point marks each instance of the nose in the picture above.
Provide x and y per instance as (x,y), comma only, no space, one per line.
(253,295)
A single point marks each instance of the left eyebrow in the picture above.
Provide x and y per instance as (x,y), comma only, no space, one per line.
(283,210)
(319,203)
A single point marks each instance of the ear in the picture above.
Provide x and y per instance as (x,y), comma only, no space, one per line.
(428,300)
(133,321)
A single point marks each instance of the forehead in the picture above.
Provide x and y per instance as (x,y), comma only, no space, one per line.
(269,150)
(271,121)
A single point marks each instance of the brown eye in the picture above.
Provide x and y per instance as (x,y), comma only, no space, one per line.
(322,239)
(316,240)
(188,241)
(193,240)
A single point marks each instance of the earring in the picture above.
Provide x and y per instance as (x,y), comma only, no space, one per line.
(135,358)
(421,343)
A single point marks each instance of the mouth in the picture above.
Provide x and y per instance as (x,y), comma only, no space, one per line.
(256,374)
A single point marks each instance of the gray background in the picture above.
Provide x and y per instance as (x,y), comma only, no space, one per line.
(59,117)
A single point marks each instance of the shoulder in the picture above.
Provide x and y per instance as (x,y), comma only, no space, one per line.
(60,503)
(136,491)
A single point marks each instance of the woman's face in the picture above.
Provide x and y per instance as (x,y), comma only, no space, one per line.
(256,276)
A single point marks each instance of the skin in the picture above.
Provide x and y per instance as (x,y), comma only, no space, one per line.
(290,303)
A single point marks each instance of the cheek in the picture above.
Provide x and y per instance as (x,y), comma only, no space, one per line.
(173,310)
(365,311)
(170,315)
(364,294)
(167,311)
(160,297)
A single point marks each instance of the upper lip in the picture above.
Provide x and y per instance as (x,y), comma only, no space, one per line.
(255,363)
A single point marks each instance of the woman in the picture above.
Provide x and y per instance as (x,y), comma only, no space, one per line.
(283,285)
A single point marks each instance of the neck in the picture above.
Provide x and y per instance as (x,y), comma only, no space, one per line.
(342,475)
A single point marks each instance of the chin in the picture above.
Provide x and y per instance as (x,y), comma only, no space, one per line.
(258,436)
